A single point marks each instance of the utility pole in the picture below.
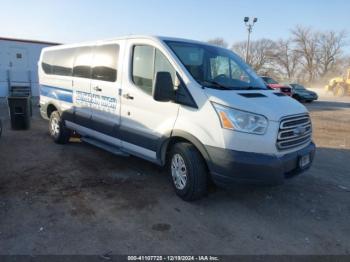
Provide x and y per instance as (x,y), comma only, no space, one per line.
(250,29)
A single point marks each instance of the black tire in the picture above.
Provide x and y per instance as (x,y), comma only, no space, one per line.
(196,185)
(335,90)
(62,134)
(339,90)
(296,97)
(342,91)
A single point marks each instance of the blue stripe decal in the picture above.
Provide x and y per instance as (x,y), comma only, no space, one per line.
(58,93)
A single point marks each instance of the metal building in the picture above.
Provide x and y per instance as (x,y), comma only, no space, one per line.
(18,65)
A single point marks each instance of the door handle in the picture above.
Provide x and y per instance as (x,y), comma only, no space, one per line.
(97,88)
(128,96)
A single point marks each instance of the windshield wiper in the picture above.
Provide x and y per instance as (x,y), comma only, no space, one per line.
(216,84)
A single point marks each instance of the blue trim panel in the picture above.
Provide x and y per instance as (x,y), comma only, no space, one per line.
(108,128)
(58,93)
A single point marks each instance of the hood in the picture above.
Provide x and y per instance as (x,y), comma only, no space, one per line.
(263,102)
(276,85)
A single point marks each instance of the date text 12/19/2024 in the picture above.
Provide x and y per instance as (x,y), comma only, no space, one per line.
(173,258)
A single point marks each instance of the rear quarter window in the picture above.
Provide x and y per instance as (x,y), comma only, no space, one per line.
(58,62)
(46,63)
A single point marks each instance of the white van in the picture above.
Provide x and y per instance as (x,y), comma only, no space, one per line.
(195,107)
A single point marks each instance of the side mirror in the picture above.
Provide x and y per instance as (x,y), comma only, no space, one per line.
(163,90)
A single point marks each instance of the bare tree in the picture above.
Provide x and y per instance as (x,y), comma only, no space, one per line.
(330,49)
(308,56)
(219,42)
(240,48)
(260,53)
(307,46)
(339,67)
(286,59)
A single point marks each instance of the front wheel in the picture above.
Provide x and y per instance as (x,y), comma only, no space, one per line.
(57,130)
(188,172)
(297,97)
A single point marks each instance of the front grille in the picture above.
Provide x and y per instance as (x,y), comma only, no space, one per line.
(285,89)
(294,131)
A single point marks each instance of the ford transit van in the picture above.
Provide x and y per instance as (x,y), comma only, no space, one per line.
(193,107)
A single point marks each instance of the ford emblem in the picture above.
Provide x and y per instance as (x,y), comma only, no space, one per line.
(299,131)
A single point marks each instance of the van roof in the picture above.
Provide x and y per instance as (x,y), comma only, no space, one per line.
(154,37)
(151,37)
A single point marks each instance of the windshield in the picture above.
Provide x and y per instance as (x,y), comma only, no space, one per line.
(269,80)
(298,87)
(216,67)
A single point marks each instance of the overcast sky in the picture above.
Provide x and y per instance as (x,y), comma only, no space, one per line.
(79,20)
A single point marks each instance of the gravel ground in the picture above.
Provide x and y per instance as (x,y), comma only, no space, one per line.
(77,199)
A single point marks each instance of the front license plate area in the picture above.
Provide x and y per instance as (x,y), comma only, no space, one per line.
(304,161)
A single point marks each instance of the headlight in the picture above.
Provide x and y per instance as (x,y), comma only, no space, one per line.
(240,120)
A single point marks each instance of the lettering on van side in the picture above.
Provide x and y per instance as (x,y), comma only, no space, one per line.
(96,101)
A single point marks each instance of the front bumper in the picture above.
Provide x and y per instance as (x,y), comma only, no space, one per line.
(287,93)
(308,97)
(230,166)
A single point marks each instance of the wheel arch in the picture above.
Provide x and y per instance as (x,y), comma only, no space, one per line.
(181,136)
(51,107)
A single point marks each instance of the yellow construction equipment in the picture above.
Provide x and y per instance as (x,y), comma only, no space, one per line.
(339,86)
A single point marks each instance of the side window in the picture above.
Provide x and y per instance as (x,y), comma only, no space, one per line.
(47,62)
(147,61)
(143,67)
(62,62)
(82,64)
(105,63)
(162,64)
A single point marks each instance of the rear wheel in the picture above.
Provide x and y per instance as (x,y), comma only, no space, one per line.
(57,130)
(188,172)
(340,90)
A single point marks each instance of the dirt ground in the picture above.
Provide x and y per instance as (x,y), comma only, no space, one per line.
(77,199)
